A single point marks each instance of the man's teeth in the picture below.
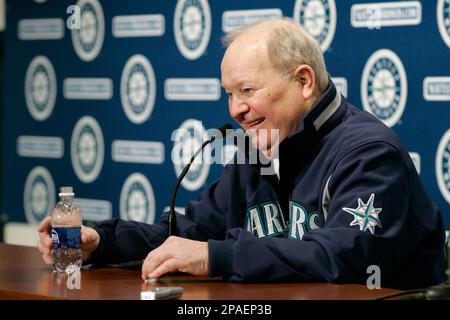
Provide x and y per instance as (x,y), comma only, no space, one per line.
(254,123)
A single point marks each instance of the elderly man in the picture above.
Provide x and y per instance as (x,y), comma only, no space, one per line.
(345,195)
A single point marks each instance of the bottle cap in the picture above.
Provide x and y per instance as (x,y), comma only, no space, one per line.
(66,192)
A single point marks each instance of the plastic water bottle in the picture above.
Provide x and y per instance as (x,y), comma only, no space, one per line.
(66,236)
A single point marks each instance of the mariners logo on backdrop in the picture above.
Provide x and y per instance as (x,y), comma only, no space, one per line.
(188,139)
(88,40)
(384,86)
(386,14)
(234,19)
(137,200)
(365,215)
(192,27)
(38,195)
(443,19)
(443,166)
(87,149)
(138,89)
(40,29)
(436,88)
(40,88)
(318,17)
(341,85)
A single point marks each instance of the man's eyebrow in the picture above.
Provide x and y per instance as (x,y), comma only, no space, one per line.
(246,81)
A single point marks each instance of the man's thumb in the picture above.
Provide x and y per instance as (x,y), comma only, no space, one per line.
(86,237)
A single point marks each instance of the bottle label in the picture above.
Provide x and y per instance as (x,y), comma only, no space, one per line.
(66,237)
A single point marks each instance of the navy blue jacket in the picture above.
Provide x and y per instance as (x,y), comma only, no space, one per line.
(348,197)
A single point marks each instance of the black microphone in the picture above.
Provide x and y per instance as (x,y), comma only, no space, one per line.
(221,132)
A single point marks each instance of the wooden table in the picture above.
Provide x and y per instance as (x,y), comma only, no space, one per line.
(23,275)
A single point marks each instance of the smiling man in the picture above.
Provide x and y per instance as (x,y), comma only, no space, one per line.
(267,94)
(344,197)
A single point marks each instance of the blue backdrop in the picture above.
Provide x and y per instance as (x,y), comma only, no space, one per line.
(94,92)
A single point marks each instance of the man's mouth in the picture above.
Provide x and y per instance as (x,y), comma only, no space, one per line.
(255,123)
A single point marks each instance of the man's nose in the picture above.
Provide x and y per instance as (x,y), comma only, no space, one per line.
(238,107)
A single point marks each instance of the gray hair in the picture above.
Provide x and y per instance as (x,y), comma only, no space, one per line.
(289,46)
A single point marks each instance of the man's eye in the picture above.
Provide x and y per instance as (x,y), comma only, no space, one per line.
(246,90)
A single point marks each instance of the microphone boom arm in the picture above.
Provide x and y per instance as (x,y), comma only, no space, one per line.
(172,215)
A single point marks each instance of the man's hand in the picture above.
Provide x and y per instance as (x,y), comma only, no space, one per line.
(89,240)
(177,254)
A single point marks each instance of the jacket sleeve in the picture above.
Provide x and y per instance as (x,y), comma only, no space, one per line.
(372,182)
(123,241)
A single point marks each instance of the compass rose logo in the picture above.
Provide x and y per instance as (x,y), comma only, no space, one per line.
(187,139)
(443,166)
(318,17)
(138,89)
(192,27)
(38,195)
(88,40)
(87,149)
(137,200)
(384,86)
(40,88)
(443,19)
(365,215)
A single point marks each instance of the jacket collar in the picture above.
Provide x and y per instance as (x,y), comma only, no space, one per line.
(299,147)
(326,114)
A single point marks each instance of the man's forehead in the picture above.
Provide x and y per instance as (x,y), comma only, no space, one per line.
(243,54)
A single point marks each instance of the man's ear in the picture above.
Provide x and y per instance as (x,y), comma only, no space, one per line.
(306,78)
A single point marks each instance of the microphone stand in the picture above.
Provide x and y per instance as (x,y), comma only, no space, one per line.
(172,214)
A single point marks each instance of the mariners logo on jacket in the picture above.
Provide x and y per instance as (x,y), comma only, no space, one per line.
(318,17)
(266,220)
(38,195)
(40,88)
(138,89)
(188,138)
(384,86)
(443,166)
(192,27)
(443,19)
(137,200)
(365,215)
(88,40)
(87,149)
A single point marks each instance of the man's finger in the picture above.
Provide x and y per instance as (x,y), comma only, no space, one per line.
(153,261)
(157,257)
(46,241)
(147,267)
(43,248)
(170,265)
(45,225)
(47,259)
(45,244)
(44,230)
(85,237)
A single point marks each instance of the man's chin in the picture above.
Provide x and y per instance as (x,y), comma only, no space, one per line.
(264,142)
(265,147)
